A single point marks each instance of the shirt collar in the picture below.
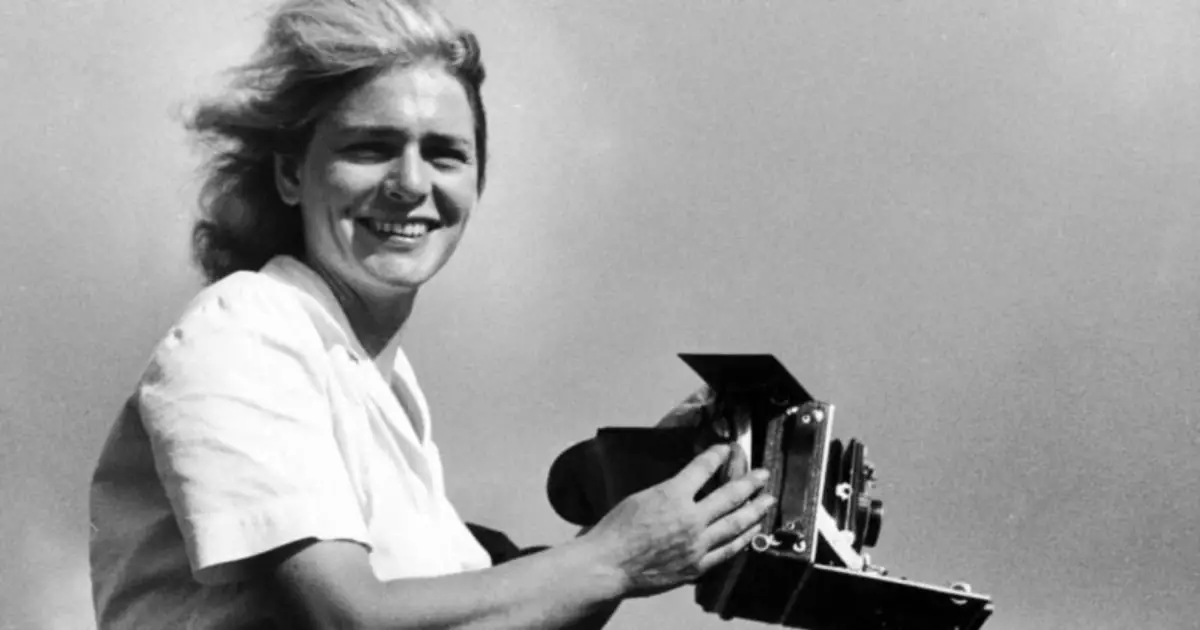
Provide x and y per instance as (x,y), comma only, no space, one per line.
(327,311)
(334,326)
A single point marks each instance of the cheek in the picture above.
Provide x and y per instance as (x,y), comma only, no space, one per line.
(339,186)
(459,197)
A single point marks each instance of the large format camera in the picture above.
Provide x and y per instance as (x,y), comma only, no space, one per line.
(808,568)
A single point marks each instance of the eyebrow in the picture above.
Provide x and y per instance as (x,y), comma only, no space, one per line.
(384,131)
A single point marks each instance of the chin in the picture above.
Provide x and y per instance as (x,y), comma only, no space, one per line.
(402,278)
(398,280)
(409,270)
(406,285)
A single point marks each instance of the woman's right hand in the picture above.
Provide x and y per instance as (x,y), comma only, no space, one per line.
(662,537)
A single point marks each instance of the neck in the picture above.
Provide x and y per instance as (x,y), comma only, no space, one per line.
(377,321)
(375,318)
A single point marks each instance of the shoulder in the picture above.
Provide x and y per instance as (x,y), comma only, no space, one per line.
(246,322)
(248,300)
(285,299)
(284,302)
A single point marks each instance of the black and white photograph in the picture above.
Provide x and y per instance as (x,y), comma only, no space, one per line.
(581,314)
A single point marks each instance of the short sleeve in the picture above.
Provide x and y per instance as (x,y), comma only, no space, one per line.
(240,426)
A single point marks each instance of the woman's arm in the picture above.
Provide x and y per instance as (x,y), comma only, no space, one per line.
(502,549)
(653,541)
(330,585)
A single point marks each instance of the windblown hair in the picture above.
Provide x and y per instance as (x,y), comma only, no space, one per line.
(314,54)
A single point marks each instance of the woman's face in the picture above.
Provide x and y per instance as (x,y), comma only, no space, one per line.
(388,181)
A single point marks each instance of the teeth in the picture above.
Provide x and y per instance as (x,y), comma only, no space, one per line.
(408,229)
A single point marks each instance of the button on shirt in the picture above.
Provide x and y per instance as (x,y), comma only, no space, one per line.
(259,422)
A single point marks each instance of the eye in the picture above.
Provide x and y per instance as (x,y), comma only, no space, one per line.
(447,157)
(369,152)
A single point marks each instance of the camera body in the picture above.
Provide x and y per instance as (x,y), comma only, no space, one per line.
(807,569)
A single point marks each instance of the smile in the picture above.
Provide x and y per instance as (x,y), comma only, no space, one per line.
(408,229)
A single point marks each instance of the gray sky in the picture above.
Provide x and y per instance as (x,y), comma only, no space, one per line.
(972,226)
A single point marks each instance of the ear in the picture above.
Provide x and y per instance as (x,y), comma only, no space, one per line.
(287,178)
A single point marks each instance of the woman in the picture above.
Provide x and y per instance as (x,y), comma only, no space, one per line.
(275,462)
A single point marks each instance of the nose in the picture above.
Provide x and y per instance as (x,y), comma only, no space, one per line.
(408,182)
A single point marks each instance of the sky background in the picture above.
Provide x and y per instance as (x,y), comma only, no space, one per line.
(971,225)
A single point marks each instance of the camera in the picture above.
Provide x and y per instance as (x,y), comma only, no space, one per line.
(807,568)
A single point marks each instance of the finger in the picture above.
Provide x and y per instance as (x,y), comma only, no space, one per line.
(734,524)
(727,551)
(739,464)
(732,495)
(702,468)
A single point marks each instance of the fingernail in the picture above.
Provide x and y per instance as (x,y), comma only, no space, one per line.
(761,474)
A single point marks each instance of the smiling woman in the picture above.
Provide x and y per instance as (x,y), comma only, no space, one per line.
(275,466)
(385,188)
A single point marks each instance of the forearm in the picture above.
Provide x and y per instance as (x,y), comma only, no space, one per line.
(652,541)
(600,616)
(556,588)
(552,589)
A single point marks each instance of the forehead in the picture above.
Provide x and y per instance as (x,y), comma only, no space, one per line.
(415,99)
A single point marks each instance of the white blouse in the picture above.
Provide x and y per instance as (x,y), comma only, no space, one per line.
(261,421)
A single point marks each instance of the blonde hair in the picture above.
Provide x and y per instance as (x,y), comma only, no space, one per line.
(315,52)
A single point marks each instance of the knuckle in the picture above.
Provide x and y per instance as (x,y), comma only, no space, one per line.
(661,495)
(736,524)
(747,486)
(735,493)
(716,454)
(750,520)
(708,462)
